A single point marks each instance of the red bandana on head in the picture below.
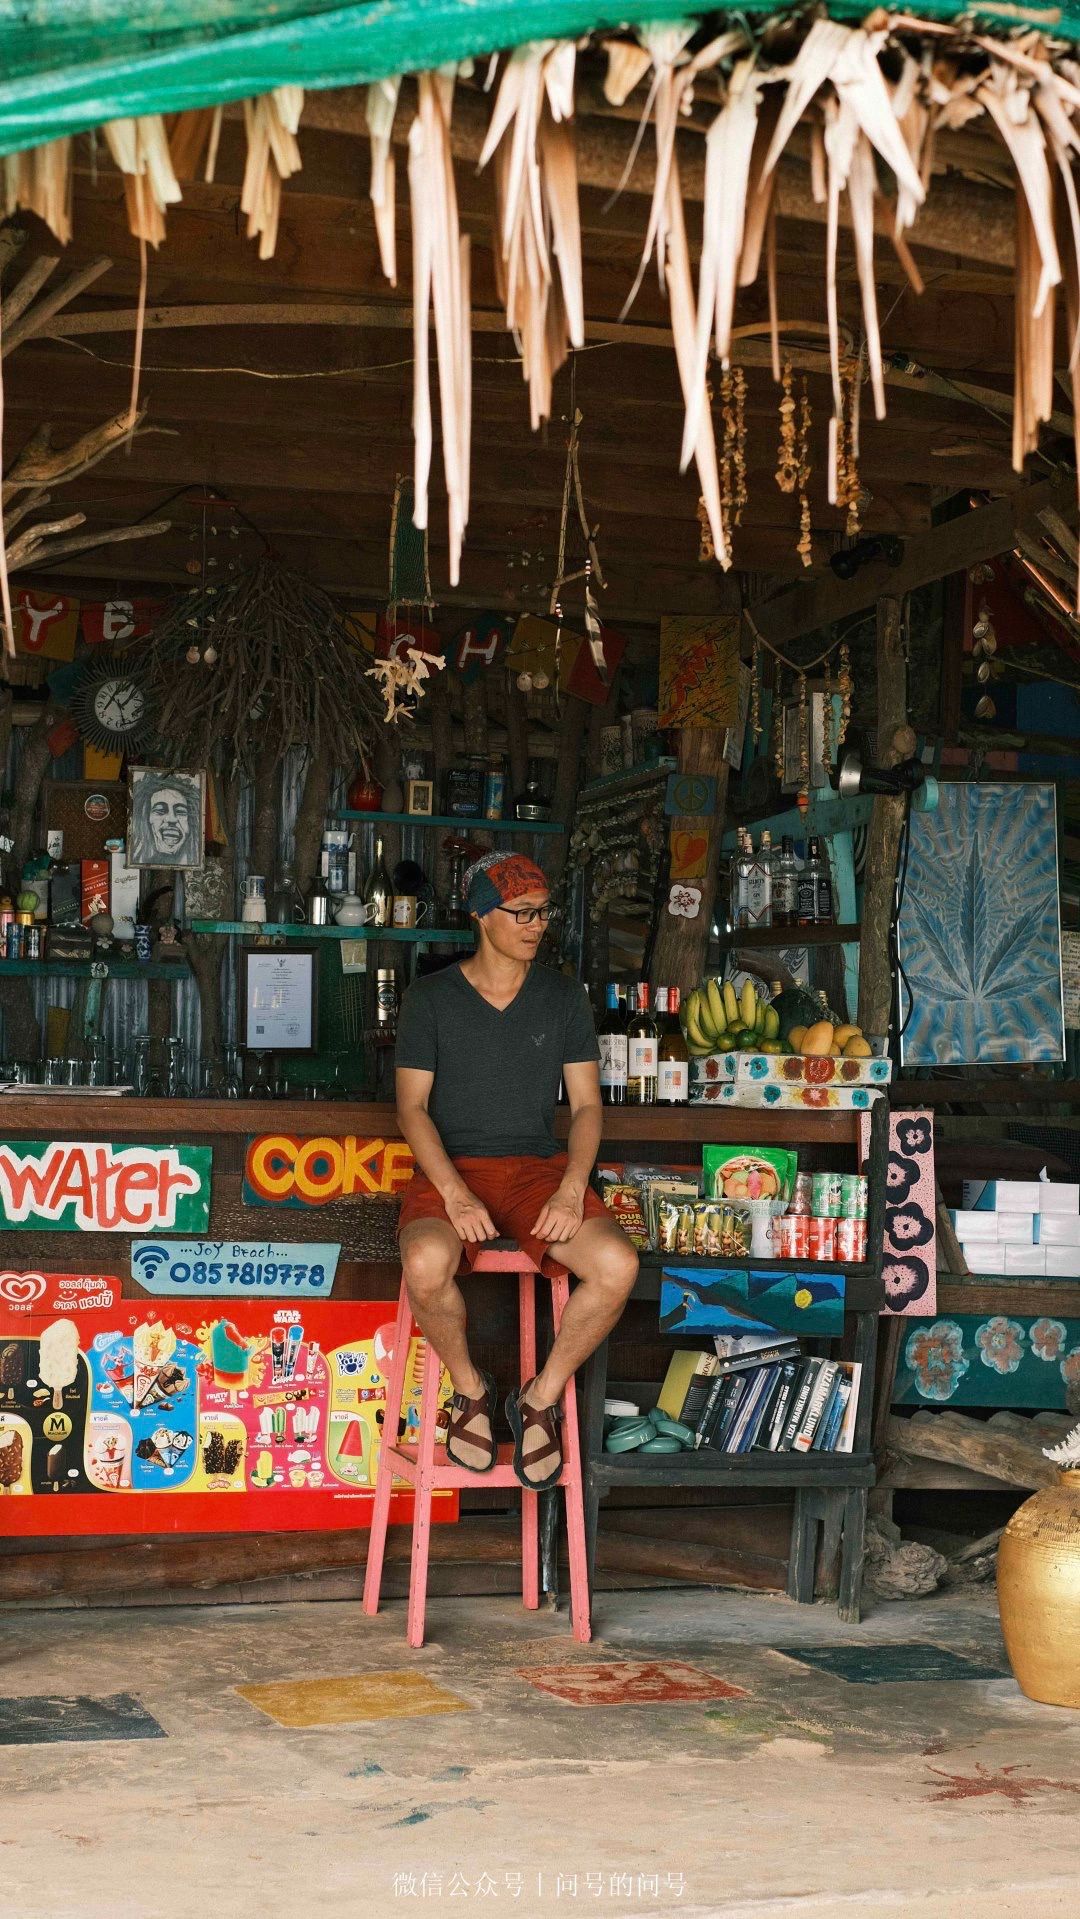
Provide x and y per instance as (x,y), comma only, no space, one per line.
(499,878)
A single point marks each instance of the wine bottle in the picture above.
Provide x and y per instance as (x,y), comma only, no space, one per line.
(379,889)
(641,1052)
(785,898)
(673,1058)
(611,1034)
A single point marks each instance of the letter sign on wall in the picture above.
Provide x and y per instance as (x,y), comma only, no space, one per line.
(282,1171)
(87,1187)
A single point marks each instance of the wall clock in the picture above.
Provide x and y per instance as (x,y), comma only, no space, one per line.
(112,708)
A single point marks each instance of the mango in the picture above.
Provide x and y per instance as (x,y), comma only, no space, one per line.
(796,1037)
(844,1033)
(817,1040)
(858,1048)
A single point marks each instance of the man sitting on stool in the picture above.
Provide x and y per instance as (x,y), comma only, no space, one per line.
(480,1049)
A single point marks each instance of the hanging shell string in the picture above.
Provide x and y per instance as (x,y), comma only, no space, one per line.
(802,798)
(755,693)
(805,547)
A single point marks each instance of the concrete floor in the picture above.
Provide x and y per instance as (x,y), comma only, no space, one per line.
(801,1793)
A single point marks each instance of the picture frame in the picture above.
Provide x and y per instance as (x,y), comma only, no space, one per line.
(279,998)
(166,815)
(420,798)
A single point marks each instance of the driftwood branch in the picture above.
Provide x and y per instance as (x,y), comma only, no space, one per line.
(42,464)
(34,318)
(112,536)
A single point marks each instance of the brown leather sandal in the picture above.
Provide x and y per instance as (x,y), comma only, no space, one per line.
(521,1416)
(463,1412)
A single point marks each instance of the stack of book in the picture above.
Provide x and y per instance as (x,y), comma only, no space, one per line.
(754,1394)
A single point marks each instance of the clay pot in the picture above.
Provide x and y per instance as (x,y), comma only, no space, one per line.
(1038,1581)
(364,795)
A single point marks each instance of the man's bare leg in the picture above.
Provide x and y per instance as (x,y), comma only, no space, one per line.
(430,1257)
(602,1258)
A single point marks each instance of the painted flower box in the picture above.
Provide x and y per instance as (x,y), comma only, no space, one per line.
(713,1070)
(793,1069)
(766,1093)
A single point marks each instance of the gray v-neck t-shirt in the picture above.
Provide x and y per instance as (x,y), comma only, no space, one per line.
(496,1073)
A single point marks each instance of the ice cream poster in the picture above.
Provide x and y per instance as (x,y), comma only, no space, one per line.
(181,1418)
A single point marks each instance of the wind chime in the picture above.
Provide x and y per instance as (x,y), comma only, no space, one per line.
(843,685)
(590,569)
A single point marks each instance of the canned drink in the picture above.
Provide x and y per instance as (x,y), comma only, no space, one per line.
(13,939)
(821,1239)
(825,1196)
(853,1192)
(794,1236)
(851,1239)
(32,946)
(802,1195)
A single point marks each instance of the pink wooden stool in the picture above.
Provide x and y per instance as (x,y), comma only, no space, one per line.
(428,1469)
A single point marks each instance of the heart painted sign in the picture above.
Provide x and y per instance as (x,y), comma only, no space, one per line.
(689,853)
(90,1187)
(58,1292)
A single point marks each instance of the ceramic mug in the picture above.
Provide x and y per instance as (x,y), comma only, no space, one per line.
(408,910)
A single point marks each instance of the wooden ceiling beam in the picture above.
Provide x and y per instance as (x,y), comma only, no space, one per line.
(982,534)
(960,216)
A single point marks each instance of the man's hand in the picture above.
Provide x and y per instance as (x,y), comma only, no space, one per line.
(562,1215)
(469,1219)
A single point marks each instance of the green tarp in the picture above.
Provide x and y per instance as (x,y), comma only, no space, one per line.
(70,64)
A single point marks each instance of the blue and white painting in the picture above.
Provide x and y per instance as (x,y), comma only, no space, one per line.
(979,932)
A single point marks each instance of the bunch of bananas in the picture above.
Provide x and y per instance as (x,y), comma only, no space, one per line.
(716,1019)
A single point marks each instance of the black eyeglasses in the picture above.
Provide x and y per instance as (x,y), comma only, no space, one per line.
(525,915)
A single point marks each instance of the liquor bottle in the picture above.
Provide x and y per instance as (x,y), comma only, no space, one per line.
(785,895)
(673,1059)
(744,860)
(379,889)
(641,1051)
(826,912)
(809,893)
(611,1034)
(530,803)
(759,886)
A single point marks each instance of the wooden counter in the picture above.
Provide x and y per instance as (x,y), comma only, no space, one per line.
(52,1116)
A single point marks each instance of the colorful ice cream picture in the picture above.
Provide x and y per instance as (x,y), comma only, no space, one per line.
(108,1452)
(15,1444)
(58,1359)
(223,1440)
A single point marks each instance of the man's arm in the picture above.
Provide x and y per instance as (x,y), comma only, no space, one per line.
(564,1211)
(467,1216)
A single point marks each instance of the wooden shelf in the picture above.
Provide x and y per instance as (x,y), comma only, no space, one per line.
(613,784)
(705,1467)
(450,819)
(794,936)
(119,968)
(863,1289)
(406,936)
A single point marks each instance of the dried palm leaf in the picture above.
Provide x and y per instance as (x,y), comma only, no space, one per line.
(680,289)
(380,108)
(627,65)
(40,181)
(273,155)
(441,277)
(193,139)
(140,149)
(728,150)
(537,218)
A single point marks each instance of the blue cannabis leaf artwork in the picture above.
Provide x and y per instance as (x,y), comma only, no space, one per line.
(979,932)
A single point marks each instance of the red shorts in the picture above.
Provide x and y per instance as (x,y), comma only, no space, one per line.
(513,1190)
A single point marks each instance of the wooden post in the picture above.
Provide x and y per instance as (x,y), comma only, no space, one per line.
(575,714)
(894,742)
(682,945)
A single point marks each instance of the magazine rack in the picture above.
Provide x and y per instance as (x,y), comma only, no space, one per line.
(830,1488)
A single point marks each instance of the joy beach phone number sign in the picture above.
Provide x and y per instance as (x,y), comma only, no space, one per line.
(255,1267)
(90,1187)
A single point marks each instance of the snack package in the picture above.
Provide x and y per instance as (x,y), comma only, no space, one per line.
(742,1173)
(624,1202)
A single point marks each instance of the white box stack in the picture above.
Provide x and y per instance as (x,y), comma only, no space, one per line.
(1020,1227)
